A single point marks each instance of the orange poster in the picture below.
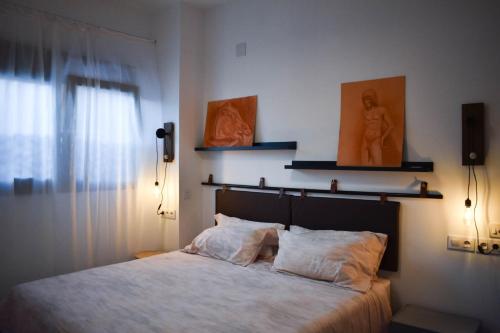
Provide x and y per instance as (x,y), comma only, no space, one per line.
(372,122)
(231,122)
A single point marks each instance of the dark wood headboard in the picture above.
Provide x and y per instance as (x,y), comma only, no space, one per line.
(318,213)
(254,206)
(352,215)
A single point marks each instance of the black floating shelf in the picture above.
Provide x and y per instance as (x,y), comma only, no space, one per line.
(332,165)
(286,145)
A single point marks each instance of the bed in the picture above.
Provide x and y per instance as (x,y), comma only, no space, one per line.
(180,292)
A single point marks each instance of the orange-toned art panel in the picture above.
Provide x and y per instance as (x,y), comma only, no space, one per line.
(231,122)
(372,122)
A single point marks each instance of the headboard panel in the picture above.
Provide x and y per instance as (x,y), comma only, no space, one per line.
(317,213)
(351,215)
(254,206)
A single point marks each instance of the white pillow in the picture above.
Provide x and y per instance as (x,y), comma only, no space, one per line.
(336,234)
(349,260)
(271,242)
(234,244)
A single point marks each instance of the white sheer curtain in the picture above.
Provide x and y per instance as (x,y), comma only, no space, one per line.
(78,110)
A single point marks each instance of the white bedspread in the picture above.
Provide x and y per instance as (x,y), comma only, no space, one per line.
(178,292)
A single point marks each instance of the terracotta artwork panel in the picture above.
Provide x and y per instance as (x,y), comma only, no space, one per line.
(231,122)
(372,122)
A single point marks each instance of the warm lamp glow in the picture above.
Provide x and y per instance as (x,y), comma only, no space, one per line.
(468,216)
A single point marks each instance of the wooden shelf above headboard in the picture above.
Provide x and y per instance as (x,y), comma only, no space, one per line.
(332,165)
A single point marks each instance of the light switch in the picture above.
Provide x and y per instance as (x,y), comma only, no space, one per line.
(494,246)
(458,243)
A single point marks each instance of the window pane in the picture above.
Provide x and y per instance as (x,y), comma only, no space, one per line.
(27,130)
(106,136)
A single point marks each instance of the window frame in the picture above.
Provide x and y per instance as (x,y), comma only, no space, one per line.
(66,136)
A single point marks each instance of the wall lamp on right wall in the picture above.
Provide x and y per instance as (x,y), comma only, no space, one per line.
(473,154)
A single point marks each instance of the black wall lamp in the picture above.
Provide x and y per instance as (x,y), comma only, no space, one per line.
(167,134)
(473,154)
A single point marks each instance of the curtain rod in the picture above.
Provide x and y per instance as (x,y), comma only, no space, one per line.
(48,15)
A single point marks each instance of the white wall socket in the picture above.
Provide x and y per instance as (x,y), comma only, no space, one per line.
(494,230)
(458,243)
(492,242)
(169,214)
(485,244)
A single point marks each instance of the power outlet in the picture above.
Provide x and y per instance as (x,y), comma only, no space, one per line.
(169,214)
(491,246)
(494,230)
(457,243)
(485,244)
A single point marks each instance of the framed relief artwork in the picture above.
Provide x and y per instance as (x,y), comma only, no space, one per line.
(231,122)
(372,122)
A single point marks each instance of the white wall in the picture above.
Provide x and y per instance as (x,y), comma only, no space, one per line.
(166,31)
(298,54)
(191,102)
(177,30)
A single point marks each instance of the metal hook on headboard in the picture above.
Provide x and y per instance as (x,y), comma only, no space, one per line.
(225,188)
(262,183)
(383,197)
(302,193)
(282,192)
(423,189)
(334,186)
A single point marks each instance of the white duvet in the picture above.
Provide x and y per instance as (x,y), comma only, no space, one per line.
(179,292)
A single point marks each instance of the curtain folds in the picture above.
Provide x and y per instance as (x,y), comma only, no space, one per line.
(77,111)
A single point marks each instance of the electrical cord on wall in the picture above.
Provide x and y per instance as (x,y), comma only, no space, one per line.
(468,183)
(156,170)
(479,245)
(158,212)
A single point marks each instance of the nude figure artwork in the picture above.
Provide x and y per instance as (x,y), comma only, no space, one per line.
(378,125)
(372,123)
(231,122)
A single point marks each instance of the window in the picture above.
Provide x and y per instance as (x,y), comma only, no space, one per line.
(106,133)
(92,142)
(58,129)
(27,130)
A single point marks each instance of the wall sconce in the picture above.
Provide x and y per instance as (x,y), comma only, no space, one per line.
(472,155)
(167,134)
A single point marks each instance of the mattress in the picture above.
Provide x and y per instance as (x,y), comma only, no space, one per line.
(178,292)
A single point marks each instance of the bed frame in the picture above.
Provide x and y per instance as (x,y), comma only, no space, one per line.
(318,213)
